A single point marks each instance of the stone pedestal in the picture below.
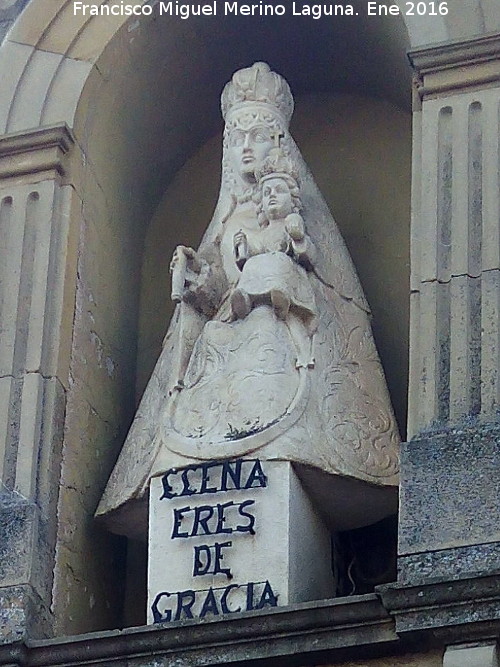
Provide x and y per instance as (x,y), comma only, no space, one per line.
(233,536)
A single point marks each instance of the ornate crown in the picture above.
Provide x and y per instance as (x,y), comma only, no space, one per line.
(277,164)
(257,84)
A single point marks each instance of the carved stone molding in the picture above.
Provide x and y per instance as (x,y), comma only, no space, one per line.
(33,151)
(456,66)
(445,611)
(309,633)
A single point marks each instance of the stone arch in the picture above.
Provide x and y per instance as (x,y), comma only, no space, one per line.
(49,54)
(50,46)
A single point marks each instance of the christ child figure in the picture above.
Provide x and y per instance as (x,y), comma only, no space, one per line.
(275,262)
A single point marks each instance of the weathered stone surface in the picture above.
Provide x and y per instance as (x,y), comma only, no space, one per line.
(304,634)
(445,610)
(9,11)
(472,655)
(36,306)
(25,581)
(23,614)
(449,551)
(431,659)
(100,405)
(17,521)
(448,498)
(454,354)
(474,559)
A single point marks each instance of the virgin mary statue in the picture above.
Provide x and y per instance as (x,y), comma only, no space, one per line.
(270,353)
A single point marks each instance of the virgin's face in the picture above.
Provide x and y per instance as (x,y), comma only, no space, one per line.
(247,149)
(276,198)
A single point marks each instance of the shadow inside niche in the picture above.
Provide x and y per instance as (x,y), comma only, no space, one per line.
(365,557)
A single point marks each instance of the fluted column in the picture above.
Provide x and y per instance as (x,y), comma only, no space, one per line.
(455,274)
(36,302)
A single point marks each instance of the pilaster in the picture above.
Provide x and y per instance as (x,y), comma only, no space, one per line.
(449,545)
(36,302)
(455,273)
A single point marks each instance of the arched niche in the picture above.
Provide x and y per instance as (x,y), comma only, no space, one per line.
(141,97)
(148,125)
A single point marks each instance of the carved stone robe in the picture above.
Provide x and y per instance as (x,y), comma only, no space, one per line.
(242,395)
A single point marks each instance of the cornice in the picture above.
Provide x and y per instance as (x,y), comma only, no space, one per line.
(447,610)
(455,54)
(309,631)
(456,66)
(397,620)
(36,150)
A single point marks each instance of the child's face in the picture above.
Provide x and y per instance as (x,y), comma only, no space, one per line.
(276,198)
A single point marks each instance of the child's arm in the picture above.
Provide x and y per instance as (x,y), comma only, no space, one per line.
(303,248)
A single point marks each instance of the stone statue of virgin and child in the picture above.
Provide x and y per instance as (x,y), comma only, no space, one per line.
(270,353)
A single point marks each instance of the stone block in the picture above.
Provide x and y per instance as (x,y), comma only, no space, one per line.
(25,584)
(9,11)
(472,655)
(233,536)
(22,614)
(91,40)
(35,19)
(25,553)
(30,98)
(17,519)
(66,91)
(475,559)
(450,611)
(13,60)
(447,496)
